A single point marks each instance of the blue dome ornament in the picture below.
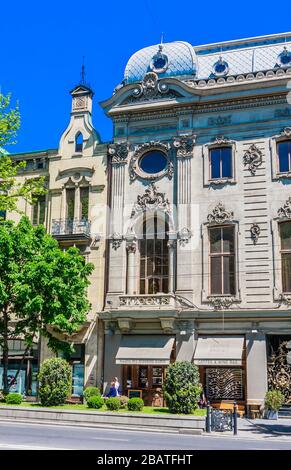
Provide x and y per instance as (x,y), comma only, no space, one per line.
(220,68)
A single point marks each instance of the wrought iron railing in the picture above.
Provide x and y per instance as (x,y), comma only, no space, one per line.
(71,227)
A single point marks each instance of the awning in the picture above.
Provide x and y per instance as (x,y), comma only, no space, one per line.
(145,349)
(219,350)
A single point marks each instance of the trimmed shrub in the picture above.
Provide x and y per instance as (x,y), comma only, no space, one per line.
(113,404)
(95,402)
(13,399)
(91,392)
(135,404)
(55,381)
(123,401)
(274,399)
(182,387)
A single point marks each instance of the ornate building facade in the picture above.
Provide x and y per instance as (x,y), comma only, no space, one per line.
(200,227)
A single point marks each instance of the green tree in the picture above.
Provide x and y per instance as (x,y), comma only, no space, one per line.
(42,289)
(11,189)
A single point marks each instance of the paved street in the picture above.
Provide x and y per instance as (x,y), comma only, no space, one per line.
(22,436)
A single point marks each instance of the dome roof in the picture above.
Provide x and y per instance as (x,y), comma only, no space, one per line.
(168,60)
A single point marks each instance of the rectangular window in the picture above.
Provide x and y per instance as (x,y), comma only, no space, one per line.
(38,211)
(221,162)
(84,203)
(222,261)
(70,199)
(285,235)
(284,156)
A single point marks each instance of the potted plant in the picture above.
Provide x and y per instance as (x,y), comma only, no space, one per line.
(273,402)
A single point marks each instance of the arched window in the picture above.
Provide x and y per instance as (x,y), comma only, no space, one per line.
(154,255)
(79,142)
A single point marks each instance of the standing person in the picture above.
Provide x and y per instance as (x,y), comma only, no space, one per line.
(117,386)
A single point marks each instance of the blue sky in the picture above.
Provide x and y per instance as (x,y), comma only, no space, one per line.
(43,43)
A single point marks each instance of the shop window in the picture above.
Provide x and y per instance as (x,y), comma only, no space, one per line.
(38,211)
(284,156)
(221,162)
(222,261)
(154,256)
(79,142)
(285,235)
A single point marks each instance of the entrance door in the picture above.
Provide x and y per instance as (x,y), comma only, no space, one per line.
(149,379)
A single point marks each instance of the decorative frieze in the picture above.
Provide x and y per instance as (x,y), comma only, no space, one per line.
(151,200)
(145,300)
(220,215)
(253,158)
(221,303)
(219,121)
(184,146)
(255,233)
(118,152)
(285,210)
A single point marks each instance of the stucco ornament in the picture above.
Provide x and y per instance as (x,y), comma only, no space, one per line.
(253,158)
(184,146)
(116,240)
(286,132)
(285,210)
(151,88)
(255,233)
(140,150)
(221,303)
(219,215)
(151,200)
(184,236)
(221,140)
(118,152)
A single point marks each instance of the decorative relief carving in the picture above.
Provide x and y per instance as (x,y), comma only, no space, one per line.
(116,240)
(184,146)
(255,233)
(131,246)
(253,158)
(151,200)
(220,215)
(150,89)
(118,152)
(171,244)
(221,140)
(221,303)
(184,236)
(285,299)
(134,168)
(219,121)
(286,132)
(285,210)
(144,300)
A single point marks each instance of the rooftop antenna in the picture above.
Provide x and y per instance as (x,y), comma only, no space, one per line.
(83,72)
(162,38)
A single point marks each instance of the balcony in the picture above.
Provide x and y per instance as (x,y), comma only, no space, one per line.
(71,229)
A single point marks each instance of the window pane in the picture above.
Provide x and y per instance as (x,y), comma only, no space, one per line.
(215,240)
(215,163)
(142,286)
(84,198)
(228,239)
(286,272)
(226,162)
(285,232)
(35,214)
(41,209)
(283,148)
(215,275)
(70,195)
(228,275)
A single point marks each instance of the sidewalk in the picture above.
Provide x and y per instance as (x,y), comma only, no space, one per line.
(261,429)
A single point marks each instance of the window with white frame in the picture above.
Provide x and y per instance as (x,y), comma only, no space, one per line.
(220,162)
(285,237)
(222,260)
(284,156)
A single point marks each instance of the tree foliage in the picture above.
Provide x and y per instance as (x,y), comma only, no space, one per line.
(42,288)
(182,387)
(55,381)
(11,188)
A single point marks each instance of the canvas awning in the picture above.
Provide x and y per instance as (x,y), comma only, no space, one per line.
(219,350)
(145,349)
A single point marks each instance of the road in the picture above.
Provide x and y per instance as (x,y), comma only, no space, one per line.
(33,436)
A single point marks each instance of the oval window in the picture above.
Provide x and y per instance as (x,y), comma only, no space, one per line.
(153,162)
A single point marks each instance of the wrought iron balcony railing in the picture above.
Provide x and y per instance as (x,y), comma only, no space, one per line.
(71,227)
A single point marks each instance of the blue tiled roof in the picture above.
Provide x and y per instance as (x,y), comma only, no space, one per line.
(187,61)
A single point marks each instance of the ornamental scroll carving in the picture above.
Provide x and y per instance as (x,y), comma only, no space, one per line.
(253,158)
(184,236)
(285,210)
(151,200)
(286,132)
(221,303)
(220,215)
(150,89)
(118,152)
(116,240)
(184,146)
(255,233)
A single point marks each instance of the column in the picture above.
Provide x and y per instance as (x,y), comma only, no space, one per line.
(131,281)
(171,267)
(256,365)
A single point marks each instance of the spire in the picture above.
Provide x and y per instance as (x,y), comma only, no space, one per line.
(82,81)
